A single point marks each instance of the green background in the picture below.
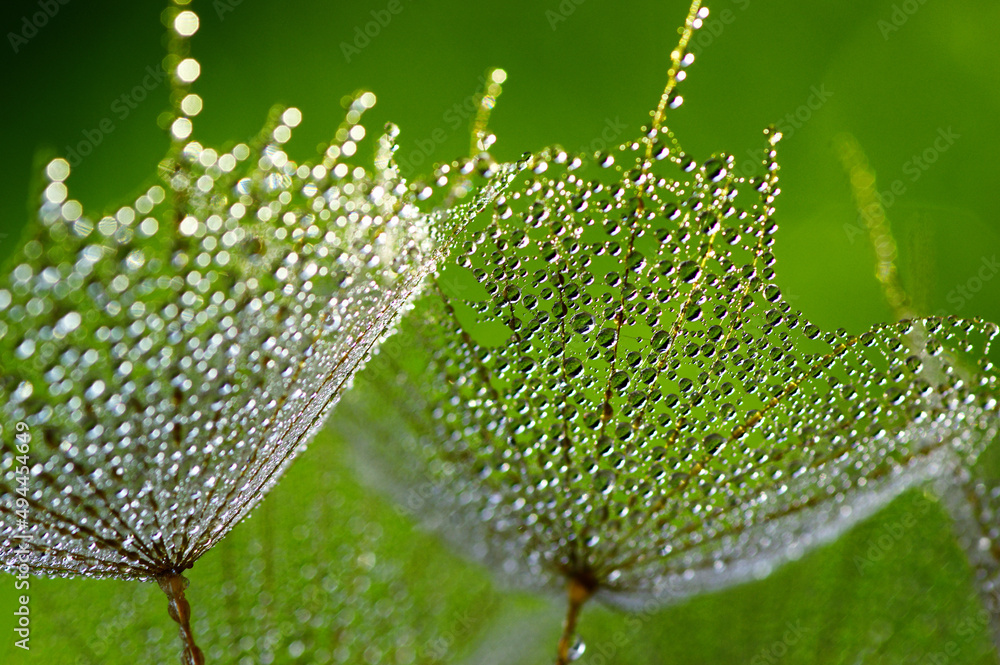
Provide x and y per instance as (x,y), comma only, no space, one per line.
(605,63)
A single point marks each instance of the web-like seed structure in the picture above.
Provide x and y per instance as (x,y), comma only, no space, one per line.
(285,587)
(167,361)
(653,418)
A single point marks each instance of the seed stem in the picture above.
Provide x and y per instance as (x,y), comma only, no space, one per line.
(180,611)
(485,101)
(675,62)
(578,593)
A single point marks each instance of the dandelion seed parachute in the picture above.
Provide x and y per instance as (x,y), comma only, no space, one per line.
(172,358)
(632,407)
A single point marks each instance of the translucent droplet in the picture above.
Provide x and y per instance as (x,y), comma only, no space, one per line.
(186,23)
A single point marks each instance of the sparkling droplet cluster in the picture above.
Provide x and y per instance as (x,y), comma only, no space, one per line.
(285,587)
(973,503)
(653,417)
(170,358)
